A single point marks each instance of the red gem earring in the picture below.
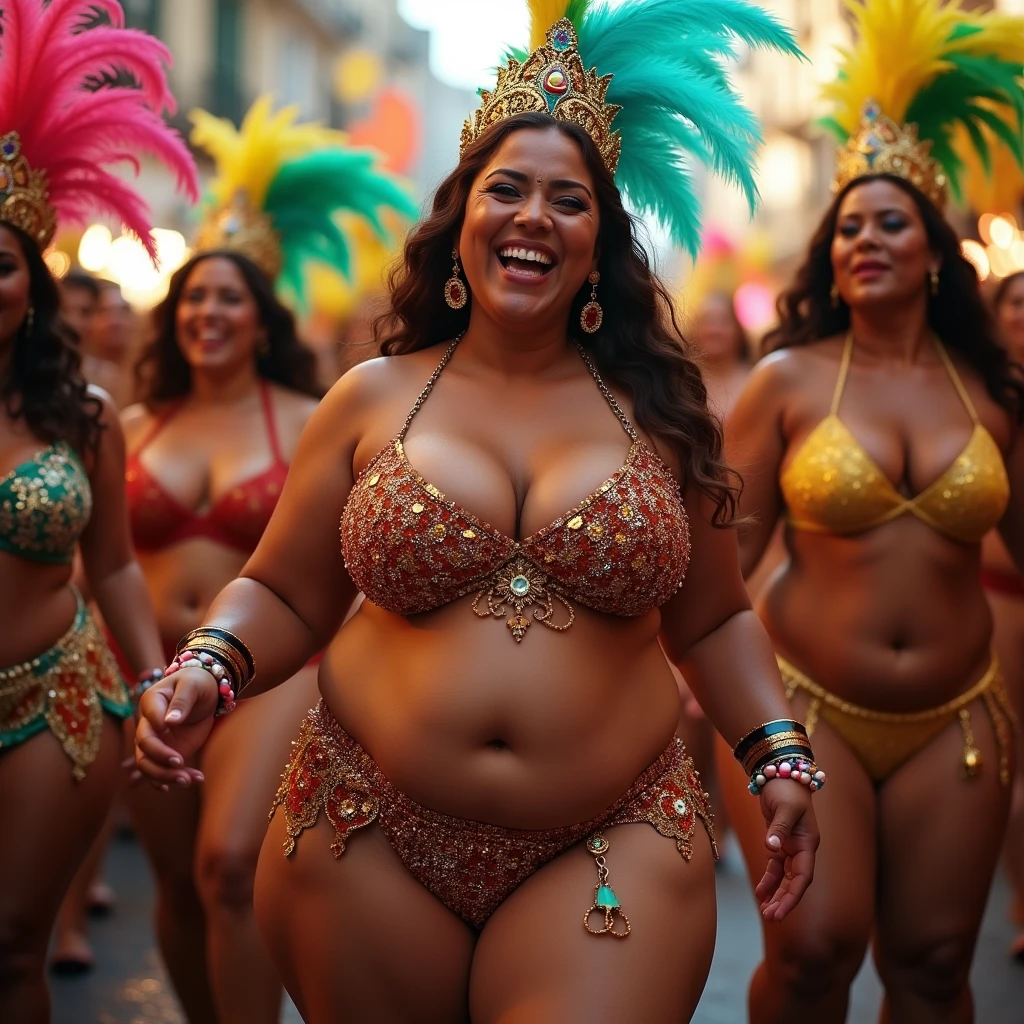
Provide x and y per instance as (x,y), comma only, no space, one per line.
(455,292)
(592,315)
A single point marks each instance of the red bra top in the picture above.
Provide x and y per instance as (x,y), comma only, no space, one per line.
(237,519)
(622,550)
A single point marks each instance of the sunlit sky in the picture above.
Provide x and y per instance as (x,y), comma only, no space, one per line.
(467,37)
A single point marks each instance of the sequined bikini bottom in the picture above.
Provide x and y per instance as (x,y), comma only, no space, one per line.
(66,689)
(883,740)
(469,865)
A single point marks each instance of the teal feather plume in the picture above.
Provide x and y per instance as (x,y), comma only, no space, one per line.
(669,65)
(305,197)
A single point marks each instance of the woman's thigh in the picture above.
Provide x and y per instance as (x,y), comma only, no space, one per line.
(939,841)
(242,762)
(48,822)
(536,964)
(357,939)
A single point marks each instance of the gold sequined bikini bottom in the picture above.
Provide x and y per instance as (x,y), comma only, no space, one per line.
(66,689)
(469,865)
(883,740)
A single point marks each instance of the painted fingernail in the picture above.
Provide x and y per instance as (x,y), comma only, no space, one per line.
(174,716)
(775,842)
(176,762)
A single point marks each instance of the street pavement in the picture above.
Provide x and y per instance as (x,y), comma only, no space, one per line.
(129,985)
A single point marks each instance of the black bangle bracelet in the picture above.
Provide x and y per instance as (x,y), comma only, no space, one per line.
(766,732)
(227,637)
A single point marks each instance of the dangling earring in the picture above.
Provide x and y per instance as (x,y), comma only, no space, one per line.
(30,320)
(455,292)
(933,281)
(833,294)
(592,315)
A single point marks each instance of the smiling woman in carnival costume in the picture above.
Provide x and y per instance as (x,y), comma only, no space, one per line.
(228,389)
(487,816)
(886,430)
(62,460)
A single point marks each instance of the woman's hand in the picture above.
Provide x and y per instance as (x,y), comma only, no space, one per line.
(175,719)
(792,841)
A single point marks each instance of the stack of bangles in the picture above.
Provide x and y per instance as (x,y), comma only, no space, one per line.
(223,655)
(778,750)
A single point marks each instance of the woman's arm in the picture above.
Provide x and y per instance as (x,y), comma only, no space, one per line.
(755,447)
(114,578)
(1011,528)
(711,634)
(291,596)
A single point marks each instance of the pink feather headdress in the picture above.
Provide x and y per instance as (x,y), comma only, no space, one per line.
(60,128)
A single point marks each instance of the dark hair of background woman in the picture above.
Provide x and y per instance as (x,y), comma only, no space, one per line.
(639,347)
(43,384)
(957,314)
(999,295)
(162,372)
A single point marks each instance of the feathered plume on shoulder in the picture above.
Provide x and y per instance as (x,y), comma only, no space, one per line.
(939,74)
(68,128)
(668,66)
(279,187)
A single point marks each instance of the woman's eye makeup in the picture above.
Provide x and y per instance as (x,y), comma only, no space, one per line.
(503,188)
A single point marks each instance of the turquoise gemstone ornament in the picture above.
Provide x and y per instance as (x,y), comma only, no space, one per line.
(606,898)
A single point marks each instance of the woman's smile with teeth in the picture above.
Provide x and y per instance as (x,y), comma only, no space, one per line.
(525,262)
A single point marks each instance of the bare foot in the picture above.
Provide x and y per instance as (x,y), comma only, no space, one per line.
(72,954)
(100,899)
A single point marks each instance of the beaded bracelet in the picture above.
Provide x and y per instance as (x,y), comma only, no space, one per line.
(801,770)
(233,654)
(207,662)
(144,681)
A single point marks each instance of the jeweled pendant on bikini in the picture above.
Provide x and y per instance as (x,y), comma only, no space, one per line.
(516,586)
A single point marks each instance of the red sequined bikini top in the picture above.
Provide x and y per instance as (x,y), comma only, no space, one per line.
(236,520)
(622,550)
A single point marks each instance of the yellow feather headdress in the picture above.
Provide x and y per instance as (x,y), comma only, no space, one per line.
(920,74)
(280,187)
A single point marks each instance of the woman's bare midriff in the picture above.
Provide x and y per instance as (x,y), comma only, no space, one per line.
(36,607)
(183,580)
(469,723)
(893,620)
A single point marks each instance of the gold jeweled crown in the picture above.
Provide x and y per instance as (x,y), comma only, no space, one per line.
(881,146)
(24,197)
(552,81)
(241,228)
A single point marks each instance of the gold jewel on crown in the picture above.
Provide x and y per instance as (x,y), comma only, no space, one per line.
(24,196)
(240,228)
(552,81)
(881,146)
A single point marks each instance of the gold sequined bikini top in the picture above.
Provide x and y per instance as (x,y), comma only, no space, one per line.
(622,550)
(834,486)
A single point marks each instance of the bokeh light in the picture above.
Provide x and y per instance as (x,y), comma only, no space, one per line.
(94,249)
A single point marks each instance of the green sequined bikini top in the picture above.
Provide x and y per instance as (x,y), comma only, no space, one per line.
(45,505)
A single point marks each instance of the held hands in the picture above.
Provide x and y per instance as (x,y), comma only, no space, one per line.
(175,719)
(792,841)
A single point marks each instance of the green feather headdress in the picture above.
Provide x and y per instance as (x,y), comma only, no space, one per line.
(923,81)
(648,80)
(279,189)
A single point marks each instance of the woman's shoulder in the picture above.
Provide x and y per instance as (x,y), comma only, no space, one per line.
(380,379)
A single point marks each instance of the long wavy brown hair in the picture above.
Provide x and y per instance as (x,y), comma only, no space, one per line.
(957,313)
(43,384)
(639,348)
(162,373)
